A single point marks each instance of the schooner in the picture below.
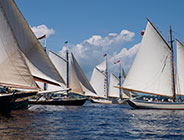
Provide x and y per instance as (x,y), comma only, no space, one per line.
(107,93)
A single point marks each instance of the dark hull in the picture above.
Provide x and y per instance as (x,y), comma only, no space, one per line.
(20,104)
(24,94)
(20,100)
(9,101)
(68,102)
(6,104)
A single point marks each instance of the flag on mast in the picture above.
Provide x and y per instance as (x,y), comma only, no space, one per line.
(117,62)
(44,36)
(142,32)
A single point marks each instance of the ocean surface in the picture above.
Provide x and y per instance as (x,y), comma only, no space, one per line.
(91,122)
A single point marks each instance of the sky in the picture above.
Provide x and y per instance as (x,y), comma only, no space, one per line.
(97,27)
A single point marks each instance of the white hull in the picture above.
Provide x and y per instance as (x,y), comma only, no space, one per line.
(137,104)
(122,101)
(108,101)
(101,101)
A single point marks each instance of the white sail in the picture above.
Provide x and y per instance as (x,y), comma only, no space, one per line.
(102,66)
(53,87)
(180,68)
(113,91)
(40,85)
(74,82)
(151,71)
(60,64)
(97,81)
(86,86)
(14,71)
(38,61)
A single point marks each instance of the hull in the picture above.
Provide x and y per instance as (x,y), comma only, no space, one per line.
(5,103)
(68,102)
(101,101)
(20,100)
(137,104)
(122,101)
(20,104)
(108,101)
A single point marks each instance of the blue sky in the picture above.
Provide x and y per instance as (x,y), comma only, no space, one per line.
(95,27)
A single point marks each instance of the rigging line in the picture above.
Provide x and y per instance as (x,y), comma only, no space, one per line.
(163,67)
(164,30)
(165,63)
(178,33)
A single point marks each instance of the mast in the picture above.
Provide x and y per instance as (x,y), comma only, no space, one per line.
(106,75)
(67,66)
(120,92)
(173,76)
(45,49)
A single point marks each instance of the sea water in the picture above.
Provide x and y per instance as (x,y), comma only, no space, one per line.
(91,122)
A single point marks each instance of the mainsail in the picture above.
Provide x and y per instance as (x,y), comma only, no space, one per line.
(14,71)
(151,71)
(86,86)
(74,82)
(37,60)
(180,68)
(113,91)
(97,81)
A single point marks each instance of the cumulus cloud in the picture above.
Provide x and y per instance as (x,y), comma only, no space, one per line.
(89,53)
(42,30)
(125,56)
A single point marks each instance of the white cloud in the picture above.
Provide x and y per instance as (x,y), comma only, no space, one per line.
(126,57)
(42,30)
(111,39)
(90,52)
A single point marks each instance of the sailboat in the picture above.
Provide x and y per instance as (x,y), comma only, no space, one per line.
(152,72)
(107,92)
(78,83)
(23,60)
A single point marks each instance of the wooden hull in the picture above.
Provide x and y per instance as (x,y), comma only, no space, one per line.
(68,102)
(138,104)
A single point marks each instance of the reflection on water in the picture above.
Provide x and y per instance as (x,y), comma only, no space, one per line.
(161,124)
(91,122)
